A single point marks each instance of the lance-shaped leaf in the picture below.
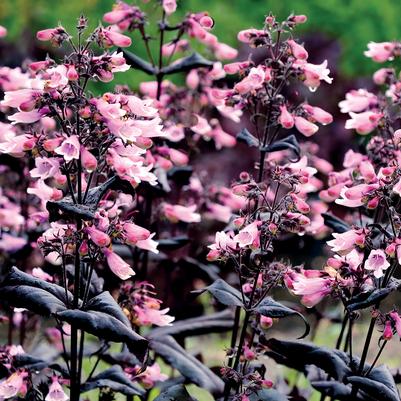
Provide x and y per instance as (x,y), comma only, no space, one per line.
(224,293)
(365,300)
(195,60)
(378,385)
(175,393)
(103,318)
(270,308)
(192,369)
(331,361)
(290,142)
(137,62)
(246,137)
(180,175)
(268,395)
(115,379)
(66,209)
(335,223)
(214,323)
(172,244)
(22,290)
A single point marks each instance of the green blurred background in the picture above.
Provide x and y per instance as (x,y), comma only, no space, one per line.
(352,22)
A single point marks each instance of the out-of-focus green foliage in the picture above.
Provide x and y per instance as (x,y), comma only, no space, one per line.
(352,22)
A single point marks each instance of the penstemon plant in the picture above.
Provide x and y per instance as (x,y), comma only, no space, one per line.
(107,202)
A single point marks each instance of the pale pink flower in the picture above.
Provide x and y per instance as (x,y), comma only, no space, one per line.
(224,52)
(89,162)
(377,262)
(69,148)
(9,243)
(22,117)
(24,99)
(44,191)
(318,114)
(3,31)
(381,75)
(150,316)
(285,118)
(176,213)
(314,73)
(357,101)
(151,376)
(344,242)
(45,167)
(169,6)
(39,273)
(100,238)
(117,265)
(380,52)
(305,127)
(246,35)
(313,289)
(56,392)
(134,233)
(297,50)
(363,123)
(11,386)
(249,235)
(148,244)
(110,37)
(254,80)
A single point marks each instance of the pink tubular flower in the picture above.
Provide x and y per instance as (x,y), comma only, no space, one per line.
(169,6)
(11,386)
(152,375)
(377,262)
(380,52)
(397,321)
(134,233)
(117,265)
(357,101)
(381,75)
(45,167)
(318,114)
(55,35)
(39,273)
(314,73)
(266,322)
(177,213)
(24,99)
(224,52)
(297,50)
(89,162)
(388,331)
(3,31)
(345,242)
(98,237)
(285,118)
(305,127)
(56,392)
(249,235)
(148,244)
(69,148)
(313,290)
(254,80)
(363,123)
(109,38)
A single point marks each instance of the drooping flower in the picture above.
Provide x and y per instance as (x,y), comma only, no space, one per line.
(56,392)
(177,213)
(117,265)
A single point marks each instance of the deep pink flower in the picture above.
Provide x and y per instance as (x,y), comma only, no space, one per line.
(397,321)
(109,37)
(313,290)
(3,31)
(388,331)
